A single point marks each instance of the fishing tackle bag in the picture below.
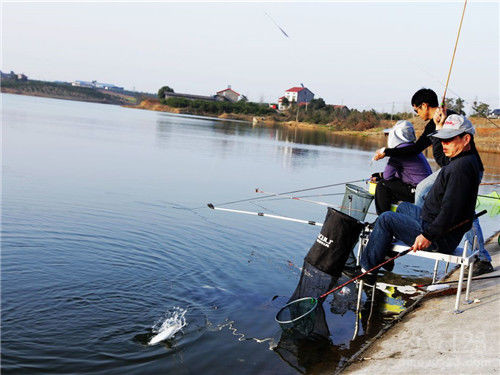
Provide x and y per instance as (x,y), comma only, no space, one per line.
(338,236)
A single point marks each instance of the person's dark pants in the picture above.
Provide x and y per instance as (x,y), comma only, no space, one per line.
(392,191)
(405,224)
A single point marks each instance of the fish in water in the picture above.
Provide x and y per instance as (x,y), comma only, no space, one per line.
(167,327)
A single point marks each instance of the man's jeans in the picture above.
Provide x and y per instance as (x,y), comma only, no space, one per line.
(424,187)
(405,224)
(421,192)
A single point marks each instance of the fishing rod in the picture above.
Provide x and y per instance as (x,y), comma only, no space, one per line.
(288,192)
(453,56)
(488,196)
(310,222)
(403,253)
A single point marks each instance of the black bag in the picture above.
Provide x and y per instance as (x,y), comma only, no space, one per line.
(337,238)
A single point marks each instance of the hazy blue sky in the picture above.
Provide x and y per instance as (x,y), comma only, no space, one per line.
(362,54)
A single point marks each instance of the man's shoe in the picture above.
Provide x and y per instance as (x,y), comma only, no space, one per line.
(351,271)
(481,267)
(389,266)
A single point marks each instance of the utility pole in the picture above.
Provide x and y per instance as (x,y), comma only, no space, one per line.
(392,110)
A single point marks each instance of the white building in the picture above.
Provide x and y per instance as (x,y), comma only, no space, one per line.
(229,94)
(97,85)
(299,95)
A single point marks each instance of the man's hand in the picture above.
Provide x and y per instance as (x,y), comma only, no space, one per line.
(420,243)
(379,154)
(439,117)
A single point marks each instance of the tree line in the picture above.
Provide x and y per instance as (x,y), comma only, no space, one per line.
(317,111)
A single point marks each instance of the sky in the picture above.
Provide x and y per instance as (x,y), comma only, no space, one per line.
(361,54)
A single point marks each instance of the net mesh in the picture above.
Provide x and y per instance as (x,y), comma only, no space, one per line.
(298,315)
(356,202)
(312,283)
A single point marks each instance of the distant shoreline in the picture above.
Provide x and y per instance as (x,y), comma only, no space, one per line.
(487,135)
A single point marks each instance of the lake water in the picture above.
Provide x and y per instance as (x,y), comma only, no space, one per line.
(106,237)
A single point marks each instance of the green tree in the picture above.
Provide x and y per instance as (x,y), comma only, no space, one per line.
(163,90)
(456,105)
(318,103)
(480,109)
(285,102)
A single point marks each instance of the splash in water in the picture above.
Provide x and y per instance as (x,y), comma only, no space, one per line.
(169,325)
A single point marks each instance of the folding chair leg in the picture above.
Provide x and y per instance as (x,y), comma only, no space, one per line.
(469,279)
(460,281)
(360,249)
(471,271)
(358,307)
(446,268)
(434,274)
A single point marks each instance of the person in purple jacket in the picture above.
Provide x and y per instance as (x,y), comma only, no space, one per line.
(402,173)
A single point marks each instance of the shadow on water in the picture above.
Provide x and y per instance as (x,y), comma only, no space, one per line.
(317,137)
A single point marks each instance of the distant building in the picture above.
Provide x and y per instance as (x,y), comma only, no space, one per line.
(282,106)
(189,96)
(97,85)
(229,94)
(108,86)
(339,106)
(83,84)
(12,75)
(495,113)
(299,95)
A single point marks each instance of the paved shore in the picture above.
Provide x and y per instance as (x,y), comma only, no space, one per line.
(433,340)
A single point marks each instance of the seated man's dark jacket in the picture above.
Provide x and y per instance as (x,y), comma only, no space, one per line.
(452,199)
(425,140)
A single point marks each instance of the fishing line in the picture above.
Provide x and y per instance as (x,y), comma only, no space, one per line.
(229,324)
(306,305)
(286,192)
(316,202)
(257,190)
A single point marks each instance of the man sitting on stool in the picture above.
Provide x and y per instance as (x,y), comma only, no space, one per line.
(450,201)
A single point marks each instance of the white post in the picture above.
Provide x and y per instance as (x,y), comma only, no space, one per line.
(461,280)
(469,276)
(434,274)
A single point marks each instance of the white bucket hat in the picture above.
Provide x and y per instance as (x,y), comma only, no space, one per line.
(401,132)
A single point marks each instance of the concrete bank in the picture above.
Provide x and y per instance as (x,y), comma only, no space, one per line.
(433,340)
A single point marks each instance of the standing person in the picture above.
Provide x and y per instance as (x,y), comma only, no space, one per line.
(451,201)
(425,104)
(402,173)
